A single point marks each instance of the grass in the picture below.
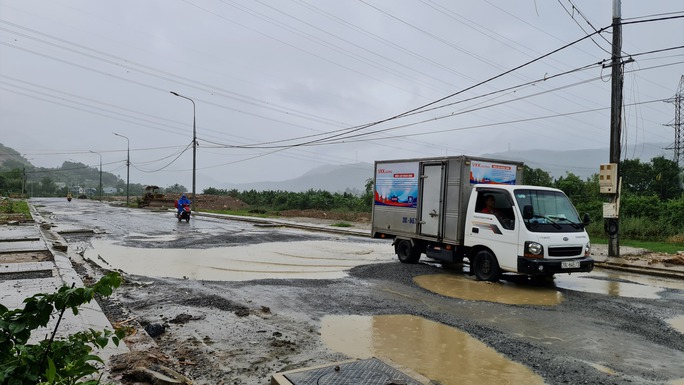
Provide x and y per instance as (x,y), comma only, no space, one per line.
(14,210)
(654,246)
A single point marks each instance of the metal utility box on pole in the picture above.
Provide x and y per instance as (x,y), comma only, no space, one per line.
(615,124)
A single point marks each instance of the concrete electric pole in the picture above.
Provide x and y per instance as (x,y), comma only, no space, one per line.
(616,119)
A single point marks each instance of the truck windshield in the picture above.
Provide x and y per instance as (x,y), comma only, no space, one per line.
(551,211)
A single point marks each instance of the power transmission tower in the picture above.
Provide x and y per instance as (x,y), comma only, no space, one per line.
(677,100)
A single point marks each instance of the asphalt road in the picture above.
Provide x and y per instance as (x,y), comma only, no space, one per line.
(598,328)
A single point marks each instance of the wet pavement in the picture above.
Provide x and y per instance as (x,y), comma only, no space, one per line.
(625,326)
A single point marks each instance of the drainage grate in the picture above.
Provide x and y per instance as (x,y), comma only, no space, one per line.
(363,372)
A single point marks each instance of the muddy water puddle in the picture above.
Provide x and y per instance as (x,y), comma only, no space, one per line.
(678,324)
(439,352)
(517,290)
(615,284)
(287,260)
(457,286)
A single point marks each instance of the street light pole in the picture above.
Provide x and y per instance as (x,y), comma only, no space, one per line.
(128,164)
(194,148)
(100,172)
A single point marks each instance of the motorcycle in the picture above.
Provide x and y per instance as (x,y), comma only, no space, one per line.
(184,214)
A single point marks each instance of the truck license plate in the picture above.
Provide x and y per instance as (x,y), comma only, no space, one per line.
(570,265)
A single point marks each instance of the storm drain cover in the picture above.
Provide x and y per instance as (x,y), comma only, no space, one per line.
(371,371)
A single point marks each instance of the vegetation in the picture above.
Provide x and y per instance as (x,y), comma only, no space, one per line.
(287,200)
(14,209)
(67,361)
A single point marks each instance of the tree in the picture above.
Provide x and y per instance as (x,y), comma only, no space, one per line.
(637,177)
(536,177)
(572,186)
(176,189)
(666,174)
(48,186)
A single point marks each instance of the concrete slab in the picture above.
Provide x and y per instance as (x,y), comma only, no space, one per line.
(12,233)
(372,371)
(17,246)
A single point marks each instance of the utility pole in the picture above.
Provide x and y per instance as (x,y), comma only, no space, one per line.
(616,118)
(23,181)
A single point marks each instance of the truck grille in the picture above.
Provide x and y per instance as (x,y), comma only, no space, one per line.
(565,251)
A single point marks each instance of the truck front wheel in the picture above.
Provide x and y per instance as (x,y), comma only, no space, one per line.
(406,252)
(486,266)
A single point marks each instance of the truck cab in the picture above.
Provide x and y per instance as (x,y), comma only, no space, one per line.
(529,230)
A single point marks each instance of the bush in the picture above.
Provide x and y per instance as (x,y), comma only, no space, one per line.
(52,361)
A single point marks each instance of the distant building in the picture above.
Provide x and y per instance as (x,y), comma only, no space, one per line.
(109,190)
(76,190)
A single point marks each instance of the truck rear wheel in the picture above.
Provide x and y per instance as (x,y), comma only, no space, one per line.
(486,266)
(407,252)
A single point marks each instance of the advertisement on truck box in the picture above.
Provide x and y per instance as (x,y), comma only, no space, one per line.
(396,184)
(494,173)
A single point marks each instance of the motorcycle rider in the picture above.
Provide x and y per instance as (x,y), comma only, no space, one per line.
(182,202)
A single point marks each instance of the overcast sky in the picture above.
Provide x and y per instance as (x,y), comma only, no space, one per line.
(313,75)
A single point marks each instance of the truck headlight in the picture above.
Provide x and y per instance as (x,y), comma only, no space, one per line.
(587,249)
(534,250)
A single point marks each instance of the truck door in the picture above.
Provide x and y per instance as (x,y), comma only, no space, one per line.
(493,224)
(430,216)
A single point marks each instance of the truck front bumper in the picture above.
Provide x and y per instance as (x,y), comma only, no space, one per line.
(533,266)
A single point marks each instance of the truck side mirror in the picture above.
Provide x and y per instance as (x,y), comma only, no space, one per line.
(586,219)
(528,212)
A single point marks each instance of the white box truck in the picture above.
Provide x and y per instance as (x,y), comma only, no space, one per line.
(464,207)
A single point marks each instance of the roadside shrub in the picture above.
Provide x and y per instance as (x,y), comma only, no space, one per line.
(641,206)
(54,360)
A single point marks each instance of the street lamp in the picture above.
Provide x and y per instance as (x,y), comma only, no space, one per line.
(100,172)
(194,147)
(128,163)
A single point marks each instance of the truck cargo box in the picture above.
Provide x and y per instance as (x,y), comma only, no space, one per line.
(427,198)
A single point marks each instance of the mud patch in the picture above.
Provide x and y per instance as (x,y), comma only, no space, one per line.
(677,323)
(26,257)
(501,292)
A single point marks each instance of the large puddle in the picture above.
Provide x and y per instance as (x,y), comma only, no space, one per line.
(519,291)
(458,286)
(423,346)
(615,284)
(307,259)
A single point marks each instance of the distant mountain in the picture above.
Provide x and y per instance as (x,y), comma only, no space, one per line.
(333,178)
(352,177)
(583,163)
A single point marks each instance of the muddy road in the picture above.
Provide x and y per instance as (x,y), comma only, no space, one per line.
(237,303)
